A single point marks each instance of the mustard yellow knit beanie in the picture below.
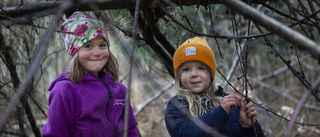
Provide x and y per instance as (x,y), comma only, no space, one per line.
(194,49)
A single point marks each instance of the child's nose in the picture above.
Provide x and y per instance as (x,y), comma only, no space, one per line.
(96,51)
(194,73)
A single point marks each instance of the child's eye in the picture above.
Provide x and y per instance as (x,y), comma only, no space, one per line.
(103,45)
(88,46)
(201,68)
(185,69)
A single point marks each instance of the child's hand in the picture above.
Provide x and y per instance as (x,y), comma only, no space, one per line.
(247,112)
(229,102)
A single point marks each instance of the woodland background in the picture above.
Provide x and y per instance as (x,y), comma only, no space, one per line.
(267,49)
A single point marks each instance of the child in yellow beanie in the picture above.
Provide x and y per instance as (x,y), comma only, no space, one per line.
(195,68)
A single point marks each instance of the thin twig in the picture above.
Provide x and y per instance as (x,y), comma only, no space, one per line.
(43,45)
(314,85)
(132,47)
(154,97)
(272,25)
(266,109)
(282,93)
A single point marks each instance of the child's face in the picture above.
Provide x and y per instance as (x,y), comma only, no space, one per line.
(94,55)
(194,76)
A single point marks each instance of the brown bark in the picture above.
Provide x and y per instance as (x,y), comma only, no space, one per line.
(31,8)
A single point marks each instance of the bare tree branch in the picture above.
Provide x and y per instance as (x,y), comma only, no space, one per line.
(203,34)
(263,107)
(296,112)
(151,34)
(9,62)
(132,48)
(155,96)
(157,47)
(82,5)
(282,93)
(271,24)
(43,45)
(281,70)
(154,29)
(236,59)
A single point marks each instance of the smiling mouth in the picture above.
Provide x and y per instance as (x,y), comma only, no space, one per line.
(195,82)
(95,59)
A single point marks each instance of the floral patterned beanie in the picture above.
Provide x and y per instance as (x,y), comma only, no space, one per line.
(79,29)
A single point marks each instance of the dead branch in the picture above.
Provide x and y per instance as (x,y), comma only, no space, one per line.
(82,5)
(296,112)
(219,35)
(236,59)
(154,29)
(281,70)
(300,76)
(271,24)
(314,85)
(154,97)
(165,57)
(281,92)
(43,45)
(132,47)
(263,107)
(9,62)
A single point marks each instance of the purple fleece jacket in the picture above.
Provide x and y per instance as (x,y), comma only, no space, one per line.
(87,108)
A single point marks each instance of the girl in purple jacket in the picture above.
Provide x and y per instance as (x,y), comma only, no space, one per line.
(199,99)
(87,100)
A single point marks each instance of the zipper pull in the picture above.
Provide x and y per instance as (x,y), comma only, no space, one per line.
(110,94)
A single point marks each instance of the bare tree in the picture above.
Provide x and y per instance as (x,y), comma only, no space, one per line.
(243,32)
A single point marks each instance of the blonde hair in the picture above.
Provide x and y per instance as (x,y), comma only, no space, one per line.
(76,71)
(194,100)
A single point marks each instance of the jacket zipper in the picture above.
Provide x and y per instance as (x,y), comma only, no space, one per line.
(110,96)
